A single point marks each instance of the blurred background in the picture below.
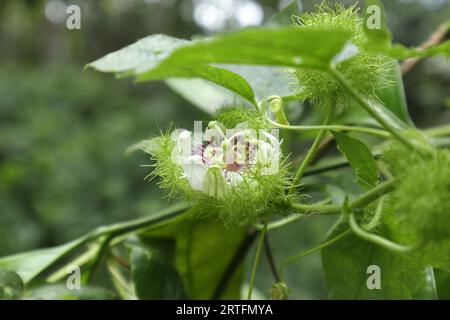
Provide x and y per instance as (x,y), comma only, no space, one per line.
(64,131)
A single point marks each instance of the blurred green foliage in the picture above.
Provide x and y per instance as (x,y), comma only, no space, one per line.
(63,167)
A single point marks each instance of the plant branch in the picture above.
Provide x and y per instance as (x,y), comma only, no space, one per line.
(256,261)
(271,259)
(437,37)
(305,210)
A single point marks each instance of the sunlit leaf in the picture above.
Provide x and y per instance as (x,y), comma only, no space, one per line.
(144,56)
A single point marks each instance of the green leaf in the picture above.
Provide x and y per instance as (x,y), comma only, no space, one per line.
(265,80)
(346,264)
(153,271)
(277,47)
(393,115)
(144,56)
(11,285)
(390,104)
(204,250)
(431,252)
(388,115)
(393,95)
(31,264)
(442,284)
(61,292)
(375,25)
(206,95)
(360,158)
(161,57)
(426,289)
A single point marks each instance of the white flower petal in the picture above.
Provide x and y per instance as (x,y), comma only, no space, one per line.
(194,170)
(183,145)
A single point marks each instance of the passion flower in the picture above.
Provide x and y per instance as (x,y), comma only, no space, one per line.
(237,172)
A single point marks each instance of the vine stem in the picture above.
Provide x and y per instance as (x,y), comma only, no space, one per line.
(377,132)
(312,151)
(312,250)
(306,210)
(435,38)
(256,261)
(376,239)
(377,216)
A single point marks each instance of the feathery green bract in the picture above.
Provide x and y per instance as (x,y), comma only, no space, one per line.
(364,69)
(422,195)
(232,116)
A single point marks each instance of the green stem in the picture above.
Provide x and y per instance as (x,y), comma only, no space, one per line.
(394,131)
(314,209)
(256,261)
(312,250)
(305,210)
(373,194)
(438,131)
(312,151)
(377,132)
(164,217)
(376,217)
(376,239)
